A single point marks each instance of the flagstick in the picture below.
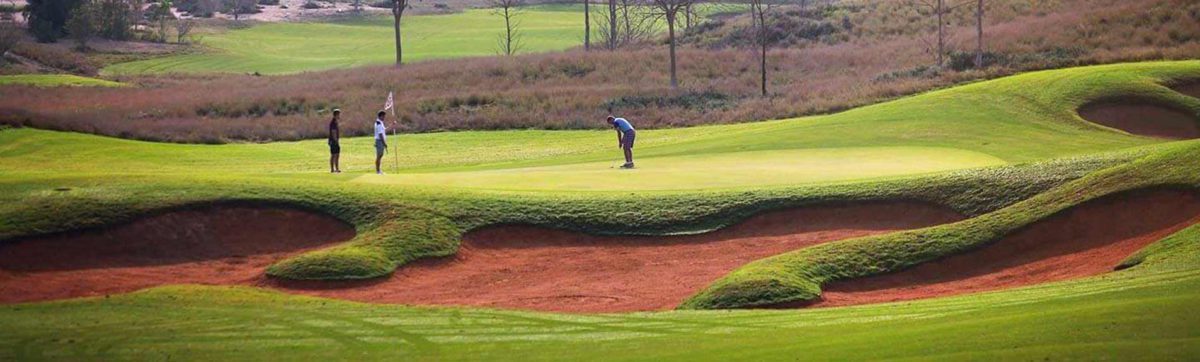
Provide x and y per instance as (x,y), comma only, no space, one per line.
(396,142)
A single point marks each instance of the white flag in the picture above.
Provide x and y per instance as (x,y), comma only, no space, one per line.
(388,106)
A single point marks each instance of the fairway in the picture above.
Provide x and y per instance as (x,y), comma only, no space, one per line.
(736,169)
(55,80)
(277,48)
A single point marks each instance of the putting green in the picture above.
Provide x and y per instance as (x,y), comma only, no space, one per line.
(758,168)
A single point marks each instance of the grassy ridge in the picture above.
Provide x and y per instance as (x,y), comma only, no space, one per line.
(798,275)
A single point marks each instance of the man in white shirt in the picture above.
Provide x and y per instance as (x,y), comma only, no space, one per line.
(380,141)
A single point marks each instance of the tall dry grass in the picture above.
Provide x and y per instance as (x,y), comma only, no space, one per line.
(879,59)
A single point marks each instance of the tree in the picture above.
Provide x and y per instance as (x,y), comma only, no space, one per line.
(114,18)
(10,37)
(759,11)
(669,9)
(83,24)
(510,41)
(398,7)
(183,27)
(47,19)
(239,7)
(587,26)
(979,34)
(162,13)
(612,24)
(937,8)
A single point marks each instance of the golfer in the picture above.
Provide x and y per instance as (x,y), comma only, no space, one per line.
(335,147)
(380,141)
(625,136)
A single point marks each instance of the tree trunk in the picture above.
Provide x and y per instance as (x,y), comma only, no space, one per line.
(762,41)
(671,38)
(397,12)
(941,10)
(979,35)
(587,26)
(612,24)
(508,36)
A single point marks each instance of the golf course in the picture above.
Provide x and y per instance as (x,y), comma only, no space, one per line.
(667,180)
(1047,215)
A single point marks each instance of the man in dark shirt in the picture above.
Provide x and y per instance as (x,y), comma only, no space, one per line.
(335,148)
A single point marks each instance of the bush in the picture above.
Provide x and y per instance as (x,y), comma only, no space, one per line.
(10,37)
(960,61)
(48,18)
(701,101)
(56,58)
(268,2)
(311,5)
(382,4)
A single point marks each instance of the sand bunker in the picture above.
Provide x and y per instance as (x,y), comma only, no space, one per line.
(1143,119)
(535,268)
(1086,240)
(213,245)
(1191,89)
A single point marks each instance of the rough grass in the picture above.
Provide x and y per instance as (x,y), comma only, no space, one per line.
(886,57)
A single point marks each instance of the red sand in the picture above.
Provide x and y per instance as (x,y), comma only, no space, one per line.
(1143,119)
(216,245)
(1191,89)
(535,268)
(1086,240)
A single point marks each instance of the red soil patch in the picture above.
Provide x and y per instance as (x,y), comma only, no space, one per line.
(215,245)
(1143,119)
(1083,241)
(536,268)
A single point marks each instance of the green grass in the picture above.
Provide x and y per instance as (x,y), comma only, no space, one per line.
(55,80)
(1006,152)
(277,48)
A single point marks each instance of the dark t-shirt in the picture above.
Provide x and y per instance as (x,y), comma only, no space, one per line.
(333,129)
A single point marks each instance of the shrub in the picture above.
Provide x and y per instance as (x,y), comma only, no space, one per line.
(268,2)
(311,5)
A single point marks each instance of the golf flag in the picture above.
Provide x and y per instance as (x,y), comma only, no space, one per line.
(388,106)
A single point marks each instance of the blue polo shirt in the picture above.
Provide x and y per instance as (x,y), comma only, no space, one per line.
(622,124)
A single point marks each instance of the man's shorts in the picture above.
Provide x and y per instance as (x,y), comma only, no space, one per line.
(627,139)
(380,148)
(334,147)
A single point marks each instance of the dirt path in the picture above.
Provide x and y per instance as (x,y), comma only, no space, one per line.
(1086,240)
(217,245)
(534,268)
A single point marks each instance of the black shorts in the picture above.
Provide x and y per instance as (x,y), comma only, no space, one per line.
(334,148)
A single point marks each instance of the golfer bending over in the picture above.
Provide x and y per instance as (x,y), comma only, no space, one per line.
(380,141)
(625,136)
(335,148)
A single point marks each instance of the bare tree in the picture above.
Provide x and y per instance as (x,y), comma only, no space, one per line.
(398,7)
(183,27)
(939,9)
(634,23)
(669,9)
(587,25)
(759,11)
(979,34)
(510,41)
(612,24)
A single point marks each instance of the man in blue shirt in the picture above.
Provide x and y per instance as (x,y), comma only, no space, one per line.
(625,136)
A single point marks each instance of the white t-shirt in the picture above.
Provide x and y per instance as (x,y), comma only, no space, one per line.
(380,131)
